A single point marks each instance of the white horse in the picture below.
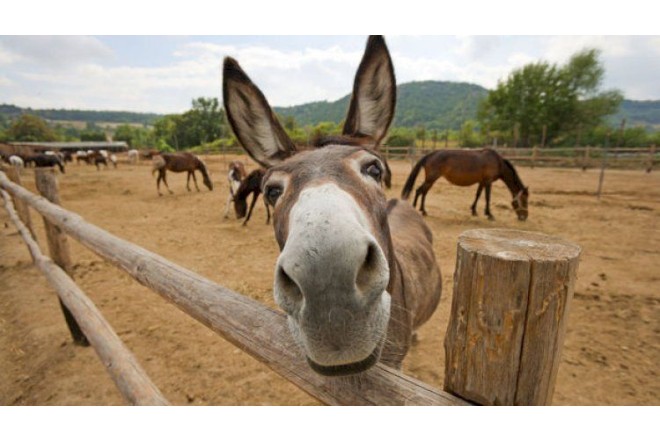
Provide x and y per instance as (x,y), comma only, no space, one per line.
(16,161)
(113,159)
(133,156)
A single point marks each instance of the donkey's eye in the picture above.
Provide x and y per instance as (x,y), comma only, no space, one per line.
(272,194)
(373,169)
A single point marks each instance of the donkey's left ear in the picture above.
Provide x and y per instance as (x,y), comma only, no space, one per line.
(252,119)
(374,93)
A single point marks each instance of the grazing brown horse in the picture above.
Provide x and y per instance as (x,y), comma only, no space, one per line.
(250,185)
(356,273)
(235,176)
(465,168)
(97,158)
(177,163)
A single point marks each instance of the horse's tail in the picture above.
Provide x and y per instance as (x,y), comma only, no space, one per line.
(156,164)
(410,182)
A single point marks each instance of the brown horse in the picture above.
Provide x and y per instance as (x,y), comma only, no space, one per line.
(465,168)
(250,185)
(356,273)
(178,163)
(235,176)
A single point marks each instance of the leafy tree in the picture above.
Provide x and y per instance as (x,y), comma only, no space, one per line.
(468,137)
(400,137)
(30,128)
(560,97)
(420,134)
(202,124)
(92,135)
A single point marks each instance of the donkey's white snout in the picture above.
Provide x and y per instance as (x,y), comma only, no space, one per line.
(330,255)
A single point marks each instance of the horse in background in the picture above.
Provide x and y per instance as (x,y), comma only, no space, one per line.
(250,185)
(16,161)
(235,176)
(465,168)
(133,156)
(113,159)
(178,163)
(40,160)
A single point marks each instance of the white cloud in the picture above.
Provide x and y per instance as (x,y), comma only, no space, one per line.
(83,72)
(54,51)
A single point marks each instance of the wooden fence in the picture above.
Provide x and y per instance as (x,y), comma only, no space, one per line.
(580,157)
(503,343)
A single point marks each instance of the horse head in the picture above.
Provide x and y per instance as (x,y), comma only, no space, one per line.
(519,204)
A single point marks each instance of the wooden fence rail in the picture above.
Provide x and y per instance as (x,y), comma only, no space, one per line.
(509,313)
(258,330)
(130,378)
(584,157)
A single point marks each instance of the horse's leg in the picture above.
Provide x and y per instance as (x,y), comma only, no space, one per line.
(195,179)
(267,212)
(160,177)
(476,199)
(229,199)
(255,195)
(164,172)
(423,190)
(188,181)
(490,216)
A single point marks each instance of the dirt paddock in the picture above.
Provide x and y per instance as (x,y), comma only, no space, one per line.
(612,348)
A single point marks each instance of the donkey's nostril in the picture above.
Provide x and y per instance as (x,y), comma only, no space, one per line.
(288,286)
(369,277)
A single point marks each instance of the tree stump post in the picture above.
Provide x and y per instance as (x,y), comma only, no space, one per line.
(58,246)
(512,291)
(21,207)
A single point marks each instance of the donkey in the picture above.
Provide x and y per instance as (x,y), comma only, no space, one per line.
(465,168)
(356,273)
(177,163)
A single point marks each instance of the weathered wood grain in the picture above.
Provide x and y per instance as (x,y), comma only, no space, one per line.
(258,330)
(58,245)
(125,371)
(509,312)
(21,207)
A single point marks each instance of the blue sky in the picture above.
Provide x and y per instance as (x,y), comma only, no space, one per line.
(164,73)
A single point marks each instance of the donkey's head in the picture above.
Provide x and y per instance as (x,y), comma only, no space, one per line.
(330,216)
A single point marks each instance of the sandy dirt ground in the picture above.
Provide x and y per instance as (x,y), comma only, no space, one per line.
(612,348)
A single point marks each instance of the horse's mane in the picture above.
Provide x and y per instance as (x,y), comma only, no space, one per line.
(516,179)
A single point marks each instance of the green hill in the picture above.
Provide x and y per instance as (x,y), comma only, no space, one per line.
(433,104)
(645,113)
(92,116)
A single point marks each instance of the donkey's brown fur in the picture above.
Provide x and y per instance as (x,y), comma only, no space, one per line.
(178,163)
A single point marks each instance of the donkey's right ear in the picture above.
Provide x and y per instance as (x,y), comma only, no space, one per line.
(252,119)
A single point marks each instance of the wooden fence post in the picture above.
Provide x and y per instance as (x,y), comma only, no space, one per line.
(512,291)
(651,158)
(586,160)
(58,245)
(21,207)
(535,153)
